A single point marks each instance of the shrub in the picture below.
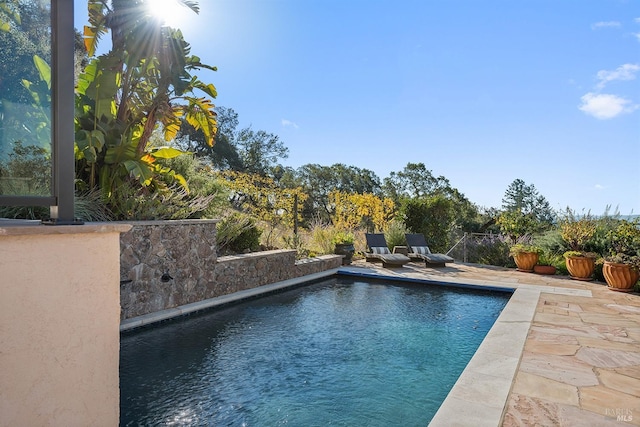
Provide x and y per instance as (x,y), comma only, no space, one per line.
(577,233)
(433,217)
(297,242)
(624,243)
(131,202)
(395,233)
(90,206)
(597,270)
(248,239)
(489,249)
(24,212)
(516,224)
(343,238)
(202,185)
(555,260)
(320,239)
(237,233)
(519,248)
(601,241)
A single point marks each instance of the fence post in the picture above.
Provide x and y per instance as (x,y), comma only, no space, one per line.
(295,214)
(464,248)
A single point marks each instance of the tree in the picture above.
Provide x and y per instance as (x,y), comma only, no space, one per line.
(223,155)
(261,197)
(523,198)
(515,224)
(414,181)
(122,96)
(259,151)
(319,181)
(432,216)
(525,211)
(248,151)
(353,210)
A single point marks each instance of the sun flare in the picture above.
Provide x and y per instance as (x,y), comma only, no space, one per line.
(170,12)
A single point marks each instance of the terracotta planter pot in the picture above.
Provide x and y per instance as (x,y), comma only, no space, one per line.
(544,269)
(620,277)
(580,267)
(526,261)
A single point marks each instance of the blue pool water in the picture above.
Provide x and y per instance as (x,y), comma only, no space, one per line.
(335,353)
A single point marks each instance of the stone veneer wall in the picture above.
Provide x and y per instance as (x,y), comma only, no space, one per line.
(239,272)
(166,264)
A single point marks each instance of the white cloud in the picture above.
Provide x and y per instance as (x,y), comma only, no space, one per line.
(604,106)
(637,36)
(637,20)
(287,123)
(623,72)
(599,187)
(606,24)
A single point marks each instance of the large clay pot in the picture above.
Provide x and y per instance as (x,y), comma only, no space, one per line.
(580,267)
(620,277)
(346,250)
(526,260)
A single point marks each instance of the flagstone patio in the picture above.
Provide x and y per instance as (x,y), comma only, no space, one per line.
(577,351)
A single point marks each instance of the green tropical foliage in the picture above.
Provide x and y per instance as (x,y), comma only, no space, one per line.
(145,81)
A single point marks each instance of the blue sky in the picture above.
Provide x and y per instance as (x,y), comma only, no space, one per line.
(481,92)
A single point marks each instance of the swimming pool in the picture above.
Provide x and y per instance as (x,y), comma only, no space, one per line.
(337,352)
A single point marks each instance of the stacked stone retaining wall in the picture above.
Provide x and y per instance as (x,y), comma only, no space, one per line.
(166,264)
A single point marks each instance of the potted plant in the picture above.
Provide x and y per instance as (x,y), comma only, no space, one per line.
(577,234)
(525,255)
(343,242)
(621,267)
(544,265)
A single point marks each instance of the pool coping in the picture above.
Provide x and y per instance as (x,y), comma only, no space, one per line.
(479,396)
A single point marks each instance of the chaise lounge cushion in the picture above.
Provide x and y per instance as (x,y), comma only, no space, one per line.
(423,250)
(380,250)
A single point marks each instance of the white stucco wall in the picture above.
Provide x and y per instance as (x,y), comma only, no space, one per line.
(59,325)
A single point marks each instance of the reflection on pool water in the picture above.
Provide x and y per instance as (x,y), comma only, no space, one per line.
(338,352)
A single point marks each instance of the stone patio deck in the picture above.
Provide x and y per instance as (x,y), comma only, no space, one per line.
(562,353)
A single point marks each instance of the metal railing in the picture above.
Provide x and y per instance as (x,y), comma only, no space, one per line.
(462,245)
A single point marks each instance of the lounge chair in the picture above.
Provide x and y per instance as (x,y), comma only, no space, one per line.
(380,252)
(418,250)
